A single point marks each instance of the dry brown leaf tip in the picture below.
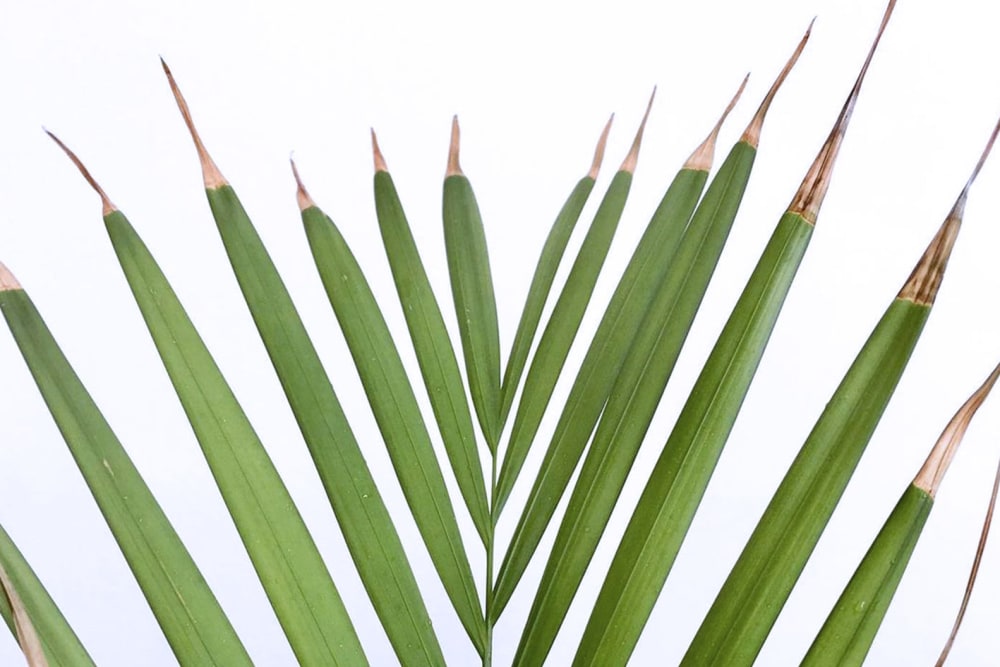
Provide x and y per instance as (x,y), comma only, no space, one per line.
(213,178)
(7,280)
(932,472)
(810,195)
(301,194)
(454,169)
(632,159)
(380,164)
(602,144)
(752,134)
(106,206)
(702,157)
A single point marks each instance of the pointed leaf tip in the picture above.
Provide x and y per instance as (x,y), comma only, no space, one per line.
(752,134)
(602,143)
(301,194)
(210,172)
(380,164)
(106,205)
(932,472)
(454,169)
(959,208)
(701,159)
(7,280)
(809,198)
(632,159)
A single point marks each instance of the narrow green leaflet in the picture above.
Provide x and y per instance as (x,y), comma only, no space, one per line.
(61,646)
(847,635)
(433,348)
(563,323)
(287,561)
(472,290)
(24,627)
(545,273)
(188,613)
(368,530)
(396,411)
(759,584)
(601,365)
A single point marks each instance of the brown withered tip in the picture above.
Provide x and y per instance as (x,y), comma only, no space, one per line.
(7,280)
(810,195)
(752,134)
(602,143)
(702,157)
(380,164)
(924,282)
(454,169)
(106,205)
(210,172)
(632,159)
(932,472)
(301,194)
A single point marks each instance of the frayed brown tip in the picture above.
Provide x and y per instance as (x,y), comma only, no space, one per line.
(925,280)
(7,280)
(301,195)
(210,172)
(602,143)
(752,134)
(380,164)
(632,159)
(701,159)
(930,475)
(106,205)
(809,198)
(454,169)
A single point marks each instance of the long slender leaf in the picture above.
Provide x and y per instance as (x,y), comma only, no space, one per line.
(545,273)
(396,411)
(432,345)
(563,323)
(847,635)
(61,645)
(188,613)
(472,291)
(605,356)
(24,627)
(361,513)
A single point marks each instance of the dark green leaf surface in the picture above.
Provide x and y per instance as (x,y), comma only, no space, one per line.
(188,613)
(398,416)
(434,351)
(284,555)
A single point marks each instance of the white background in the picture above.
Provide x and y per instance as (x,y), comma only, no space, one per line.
(533,86)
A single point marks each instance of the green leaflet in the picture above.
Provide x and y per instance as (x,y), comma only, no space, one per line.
(635,394)
(538,292)
(284,555)
(361,513)
(553,347)
(848,632)
(188,613)
(758,585)
(475,303)
(398,416)
(601,365)
(61,645)
(434,351)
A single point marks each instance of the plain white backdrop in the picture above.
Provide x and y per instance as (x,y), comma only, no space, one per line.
(532,84)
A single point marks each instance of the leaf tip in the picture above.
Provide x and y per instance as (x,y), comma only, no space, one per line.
(8,282)
(752,134)
(632,159)
(213,178)
(701,159)
(106,206)
(301,194)
(380,164)
(454,169)
(932,472)
(602,144)
(810,195)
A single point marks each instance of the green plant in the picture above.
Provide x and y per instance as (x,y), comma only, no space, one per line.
(618,389)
